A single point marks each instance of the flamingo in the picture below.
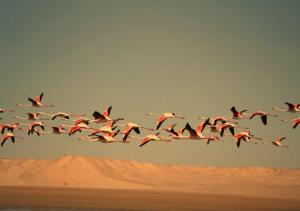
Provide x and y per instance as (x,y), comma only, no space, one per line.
(132,126)
(245,136)
(105,138)
(296,121)
(212,138)
(32,127)
(55,130)
(174,134)
(9,127)
(82,121)
(32,116)
(104,117)
(164,117)
(278,143)
(64,115)
(237,114)
(214,125)
(77,128)
(229,126)
(35,103)
(263,116)
(151,137)
(108,128)
(292,108)
(6,136)
(196,134)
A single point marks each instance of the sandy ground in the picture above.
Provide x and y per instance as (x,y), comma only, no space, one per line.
(89,182)
(41,198)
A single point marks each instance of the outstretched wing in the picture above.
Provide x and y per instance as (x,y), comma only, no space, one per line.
(97,115)
(264,119)
(161,119)
(106,112)
(190,130)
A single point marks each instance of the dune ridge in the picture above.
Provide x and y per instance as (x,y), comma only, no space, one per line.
(94,172)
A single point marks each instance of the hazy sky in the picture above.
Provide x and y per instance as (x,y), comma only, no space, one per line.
(194,58)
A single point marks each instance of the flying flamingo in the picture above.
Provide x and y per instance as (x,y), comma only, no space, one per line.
(296,121)
(176,135)
(108,128)
(105,138)
(278,143)
(164,117)
(229,126)
(214,128)
(35,103)
(263,116)
(9,127)
(81,121)
(64,115)
(104,117)
(32,116)
(32,127)
(77,128)
(55,130)
(237,114)
(292,107)
(212,138)
(6,136)
(132,126)
(196,134)
(245,136)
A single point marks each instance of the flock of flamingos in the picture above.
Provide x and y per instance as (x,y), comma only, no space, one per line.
(108,128)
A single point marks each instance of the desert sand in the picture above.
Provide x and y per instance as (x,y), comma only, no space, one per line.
(77,181)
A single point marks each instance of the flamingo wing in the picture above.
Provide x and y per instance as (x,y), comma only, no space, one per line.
(161,119)
(296,124)
(107,111)
(264,119)
(97,115)
(32,101)
(290,105)
(40,97)
(190,130)
(144,141)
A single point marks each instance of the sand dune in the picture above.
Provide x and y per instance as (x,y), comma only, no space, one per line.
(92,172)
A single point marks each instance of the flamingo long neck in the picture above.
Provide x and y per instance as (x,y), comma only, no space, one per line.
(279,109)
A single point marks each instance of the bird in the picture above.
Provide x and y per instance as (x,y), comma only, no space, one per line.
(212,138)
(10,127)
(32,127)
(32,116)
(104,138)
(108,128)
(295,121)
(175,135)
(55,130)
(263,116)
(164,117)
(64,115)
(278,141)
(196,134)
(77,128)
(213,123)
(292,108)
(245,136)
(104,117)
(132,126)
(35,103)
(237,114)
(6,136)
